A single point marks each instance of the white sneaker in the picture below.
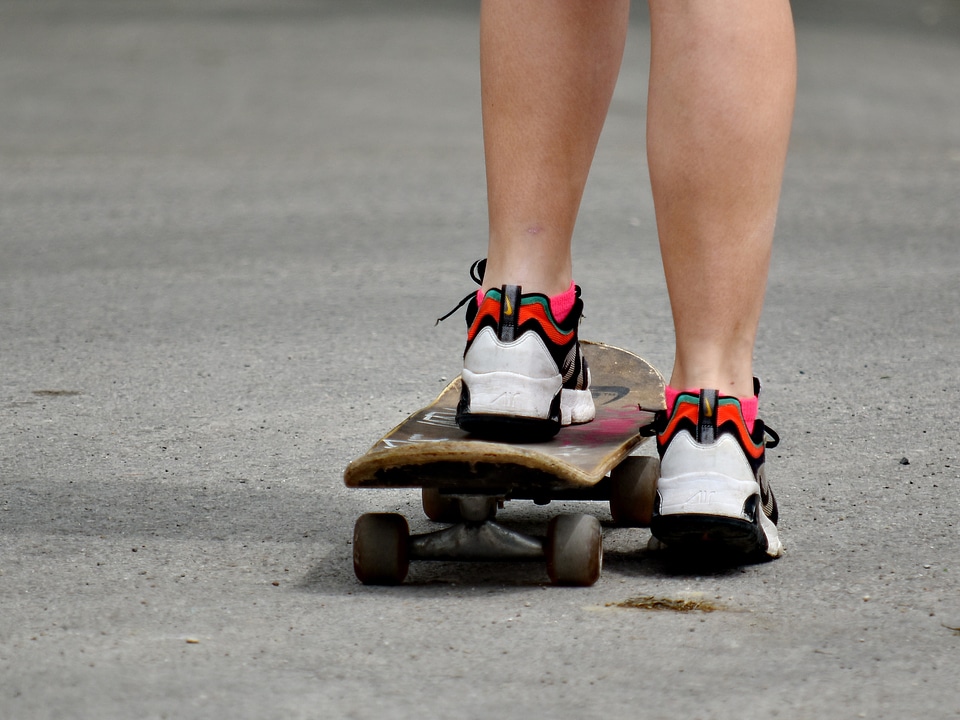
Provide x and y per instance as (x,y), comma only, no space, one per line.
(713,494)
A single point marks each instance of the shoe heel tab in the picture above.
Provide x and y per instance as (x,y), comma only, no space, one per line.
(707,416)
(509,312)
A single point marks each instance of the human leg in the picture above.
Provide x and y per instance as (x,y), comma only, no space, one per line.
(548,70)
(722,86)
(720,107)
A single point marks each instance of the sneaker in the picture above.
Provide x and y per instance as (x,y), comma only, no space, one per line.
(713,493)
(524,375)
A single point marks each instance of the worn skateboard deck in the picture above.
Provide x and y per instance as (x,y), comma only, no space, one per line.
(428,450)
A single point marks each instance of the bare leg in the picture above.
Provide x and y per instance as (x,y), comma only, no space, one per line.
(722,85)
(548,69)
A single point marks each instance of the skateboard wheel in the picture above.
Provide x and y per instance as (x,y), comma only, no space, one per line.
(633,490)
(381,548)
(574,550)
(440,508)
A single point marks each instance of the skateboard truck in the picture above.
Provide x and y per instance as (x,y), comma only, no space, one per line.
(477,537)
(383,546)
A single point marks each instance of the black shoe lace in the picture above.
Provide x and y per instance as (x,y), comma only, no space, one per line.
(774,437)
(476,274)
(655,426)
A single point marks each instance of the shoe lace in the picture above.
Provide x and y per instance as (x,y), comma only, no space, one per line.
(774,437)
(656,426)
(476,274)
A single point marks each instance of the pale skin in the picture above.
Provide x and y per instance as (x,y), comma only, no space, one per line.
(720,106)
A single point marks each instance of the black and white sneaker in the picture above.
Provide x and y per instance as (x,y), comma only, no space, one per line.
(524,375)
(713,494)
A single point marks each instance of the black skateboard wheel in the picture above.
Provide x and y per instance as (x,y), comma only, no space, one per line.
(633,490)
(574,550)
(381,548)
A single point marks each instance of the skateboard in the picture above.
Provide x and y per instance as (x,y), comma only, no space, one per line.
(464,480)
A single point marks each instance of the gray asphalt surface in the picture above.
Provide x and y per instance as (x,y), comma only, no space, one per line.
(226,230)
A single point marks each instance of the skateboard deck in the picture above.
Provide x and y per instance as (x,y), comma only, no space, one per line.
(428,450)
(464,479)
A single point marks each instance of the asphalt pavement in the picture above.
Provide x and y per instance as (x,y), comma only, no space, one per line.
(226,230)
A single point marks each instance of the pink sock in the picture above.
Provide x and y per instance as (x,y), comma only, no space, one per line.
(560,305)
(748,405)
(671,394)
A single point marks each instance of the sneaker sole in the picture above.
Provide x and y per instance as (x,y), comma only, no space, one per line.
(508,428)
(710,534)
(719,534)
